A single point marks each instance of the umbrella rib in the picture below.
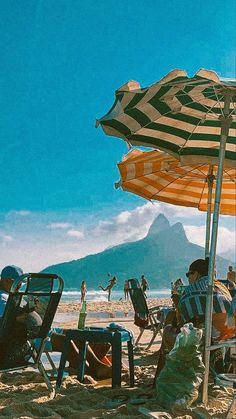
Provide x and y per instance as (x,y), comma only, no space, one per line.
(196,126)
(232,179)
(233,110)
(207,109)
(167,114)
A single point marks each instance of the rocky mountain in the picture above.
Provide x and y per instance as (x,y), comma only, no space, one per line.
(163,255)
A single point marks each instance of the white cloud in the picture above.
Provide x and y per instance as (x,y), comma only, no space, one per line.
(22,213)
(6,238)
(27,244)
(128,225)
(196,234)
(123,217)
(59,226)
(75,233)
(226,242)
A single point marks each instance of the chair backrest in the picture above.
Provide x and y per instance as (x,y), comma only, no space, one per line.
(138,299)
(32,301)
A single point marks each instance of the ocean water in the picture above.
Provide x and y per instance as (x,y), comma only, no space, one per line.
(99,295)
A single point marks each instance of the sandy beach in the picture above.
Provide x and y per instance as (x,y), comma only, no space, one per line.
(25,395)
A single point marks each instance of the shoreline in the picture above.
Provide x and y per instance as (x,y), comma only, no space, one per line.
(109,306)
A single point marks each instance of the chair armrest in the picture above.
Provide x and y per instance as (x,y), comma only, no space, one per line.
(227,343)
(152,309)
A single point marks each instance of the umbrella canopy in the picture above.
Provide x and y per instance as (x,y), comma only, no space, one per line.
(178,114)
(155,175)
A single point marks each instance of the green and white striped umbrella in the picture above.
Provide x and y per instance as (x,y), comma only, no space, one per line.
(180,115)
(193,119)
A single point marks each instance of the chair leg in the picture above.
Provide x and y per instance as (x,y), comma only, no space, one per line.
(232,409)
(54,369)
(82,361)
(116,360)
(152,340)
(45,376)
(139,336)
(131,362)
(62,364)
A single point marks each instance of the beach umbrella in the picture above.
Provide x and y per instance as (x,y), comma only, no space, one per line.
(180,115)
(157,176)
(193,119)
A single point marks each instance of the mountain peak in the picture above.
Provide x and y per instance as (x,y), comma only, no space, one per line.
(159,224)
(179,229)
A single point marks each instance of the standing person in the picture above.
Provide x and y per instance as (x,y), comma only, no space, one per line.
(144,285)
(126,290)
(108,288)
(231,275)
(83,291)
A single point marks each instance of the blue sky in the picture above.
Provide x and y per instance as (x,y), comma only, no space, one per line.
(62,60)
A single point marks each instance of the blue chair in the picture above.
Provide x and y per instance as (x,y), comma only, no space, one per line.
(98,335)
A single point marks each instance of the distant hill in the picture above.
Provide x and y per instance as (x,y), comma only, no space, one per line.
(163,255)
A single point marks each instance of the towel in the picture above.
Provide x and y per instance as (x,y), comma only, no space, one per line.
(117,326)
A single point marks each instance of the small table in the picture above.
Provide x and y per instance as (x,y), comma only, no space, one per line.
(102,335)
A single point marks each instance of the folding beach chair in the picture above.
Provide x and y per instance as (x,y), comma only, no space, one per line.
(146,318)
(27,319)
(227,379)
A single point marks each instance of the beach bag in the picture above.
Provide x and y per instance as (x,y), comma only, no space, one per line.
(140,322)
(178,383)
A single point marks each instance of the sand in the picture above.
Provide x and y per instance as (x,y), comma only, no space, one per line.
(25,395)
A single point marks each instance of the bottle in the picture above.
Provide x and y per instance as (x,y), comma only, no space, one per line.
(82,316)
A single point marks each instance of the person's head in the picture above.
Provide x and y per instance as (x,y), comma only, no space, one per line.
(230,268)
(142,277)
(197,269)
(8,275)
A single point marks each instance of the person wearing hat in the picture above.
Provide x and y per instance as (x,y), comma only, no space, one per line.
(18,339)
(193,301)
(8,275)
(192,306)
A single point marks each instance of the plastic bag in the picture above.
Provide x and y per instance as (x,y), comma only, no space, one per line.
(178,382)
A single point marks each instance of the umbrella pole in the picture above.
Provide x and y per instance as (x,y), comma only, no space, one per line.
(210,180)
(226,121)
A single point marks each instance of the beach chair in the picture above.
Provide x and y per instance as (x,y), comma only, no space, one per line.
(226,379)
(146,318)
(27,319)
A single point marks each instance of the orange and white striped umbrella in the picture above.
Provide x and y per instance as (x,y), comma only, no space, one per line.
(156,175)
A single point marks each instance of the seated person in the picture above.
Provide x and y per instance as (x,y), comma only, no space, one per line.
(191,308)
(95,353)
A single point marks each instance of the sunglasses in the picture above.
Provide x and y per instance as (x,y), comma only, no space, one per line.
(190,273)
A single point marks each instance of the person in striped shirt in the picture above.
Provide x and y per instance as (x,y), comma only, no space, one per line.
(191,307)
(192,304)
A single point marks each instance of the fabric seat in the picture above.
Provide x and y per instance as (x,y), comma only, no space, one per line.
(28,316)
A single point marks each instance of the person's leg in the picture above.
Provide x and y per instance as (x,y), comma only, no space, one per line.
(94,366)
(100,349)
